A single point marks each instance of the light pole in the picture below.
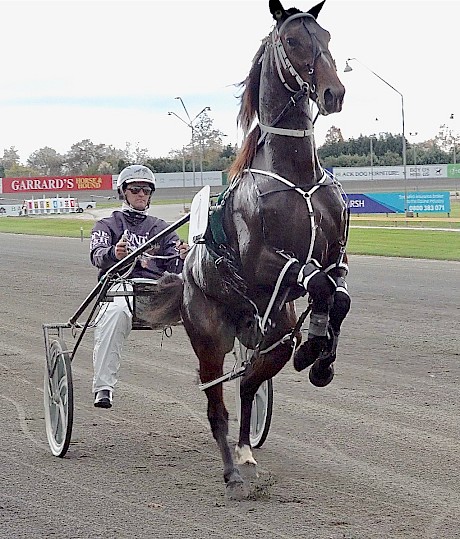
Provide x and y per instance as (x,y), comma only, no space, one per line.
(189,124)
(371,138)
(414,134)
(371,144)
(453,141)
(404,156)
(183,165)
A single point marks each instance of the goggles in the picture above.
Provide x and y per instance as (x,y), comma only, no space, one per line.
(136,190)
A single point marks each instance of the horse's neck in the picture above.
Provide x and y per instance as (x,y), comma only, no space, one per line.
(294,158)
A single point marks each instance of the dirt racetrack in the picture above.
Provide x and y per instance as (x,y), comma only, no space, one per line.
(373,455)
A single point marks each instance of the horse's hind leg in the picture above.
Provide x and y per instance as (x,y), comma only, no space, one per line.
(262,367)
(218,420)
(212,338)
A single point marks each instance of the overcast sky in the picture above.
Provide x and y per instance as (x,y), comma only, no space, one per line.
(108,71)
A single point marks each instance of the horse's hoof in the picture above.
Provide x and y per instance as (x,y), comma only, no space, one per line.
(243,455)
(309,352)
(236,490)
(321,376)
(248,471)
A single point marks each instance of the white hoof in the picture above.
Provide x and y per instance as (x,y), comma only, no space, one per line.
(243,455)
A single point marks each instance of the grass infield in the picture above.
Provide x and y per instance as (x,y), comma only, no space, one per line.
(383,239)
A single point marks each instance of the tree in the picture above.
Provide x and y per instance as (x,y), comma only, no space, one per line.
(46,161)
(208,140)
(81,157)
(333,136)
(448,140)
(10,158)
(386,148)
(136,154)
(18,171)
(85,157)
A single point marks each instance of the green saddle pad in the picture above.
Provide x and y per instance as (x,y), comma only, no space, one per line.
(216,213)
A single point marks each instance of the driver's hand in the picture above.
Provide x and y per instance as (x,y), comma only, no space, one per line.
(121,249)
(183,248)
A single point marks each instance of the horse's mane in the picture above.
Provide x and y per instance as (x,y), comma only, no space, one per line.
(249,109)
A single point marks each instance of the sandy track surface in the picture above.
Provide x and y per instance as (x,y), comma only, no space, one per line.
(373,455)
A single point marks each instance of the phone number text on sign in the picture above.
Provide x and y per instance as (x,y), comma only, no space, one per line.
(427,207)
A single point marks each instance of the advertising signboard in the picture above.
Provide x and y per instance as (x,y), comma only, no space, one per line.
(420,202)
(453,171)
(391,173)
(56,183)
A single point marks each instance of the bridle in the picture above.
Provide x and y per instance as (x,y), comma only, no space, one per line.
(306,88)
(282,59)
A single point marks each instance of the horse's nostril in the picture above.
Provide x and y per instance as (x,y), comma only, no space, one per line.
(332,100)
(328,100)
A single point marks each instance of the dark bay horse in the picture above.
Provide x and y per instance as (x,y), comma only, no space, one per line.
(281,234)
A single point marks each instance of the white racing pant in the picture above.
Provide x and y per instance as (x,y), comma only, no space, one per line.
(113,325)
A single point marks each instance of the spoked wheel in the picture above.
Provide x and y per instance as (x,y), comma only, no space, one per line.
(58,398)
(262,405)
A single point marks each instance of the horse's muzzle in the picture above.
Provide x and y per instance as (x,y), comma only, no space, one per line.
(330,100)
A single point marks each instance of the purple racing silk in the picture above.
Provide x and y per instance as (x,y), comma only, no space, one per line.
(138,229)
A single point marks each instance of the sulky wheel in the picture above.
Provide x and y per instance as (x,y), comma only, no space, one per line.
(58,398)
(262,405)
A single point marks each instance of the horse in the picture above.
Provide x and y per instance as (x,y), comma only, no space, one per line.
(280,232)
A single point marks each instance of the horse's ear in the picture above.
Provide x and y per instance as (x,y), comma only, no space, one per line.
(314,11)
(276,9)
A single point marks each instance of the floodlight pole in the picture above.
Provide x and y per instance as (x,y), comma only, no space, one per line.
(190,125)
(404,149)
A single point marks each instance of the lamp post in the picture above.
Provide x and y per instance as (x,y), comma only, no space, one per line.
(414,134)
(371,144)
(404,156)
(190,125)
(453,141)
(371,138)
(183,165)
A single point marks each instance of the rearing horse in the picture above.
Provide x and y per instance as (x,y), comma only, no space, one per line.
(281,234)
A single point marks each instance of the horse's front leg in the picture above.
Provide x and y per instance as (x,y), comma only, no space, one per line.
(318,374)
(320,348)
(320,288)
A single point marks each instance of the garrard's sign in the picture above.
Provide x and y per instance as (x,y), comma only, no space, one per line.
(56,183)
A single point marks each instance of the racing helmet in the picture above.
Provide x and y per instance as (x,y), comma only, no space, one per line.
(134,173)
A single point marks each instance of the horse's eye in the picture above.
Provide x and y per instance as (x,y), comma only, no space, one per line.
(291,42)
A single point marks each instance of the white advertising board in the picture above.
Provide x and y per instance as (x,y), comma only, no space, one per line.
(390,173)
(181,179)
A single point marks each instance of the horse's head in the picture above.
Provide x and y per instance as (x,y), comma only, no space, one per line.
(302,47)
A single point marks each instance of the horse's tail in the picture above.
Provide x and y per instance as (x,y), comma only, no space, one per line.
(162,306)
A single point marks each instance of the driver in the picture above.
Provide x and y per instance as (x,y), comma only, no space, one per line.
(112,239)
